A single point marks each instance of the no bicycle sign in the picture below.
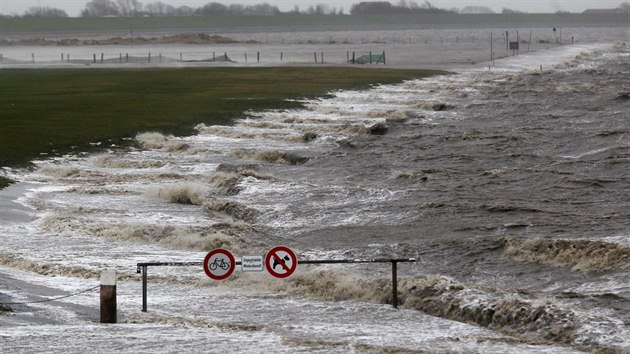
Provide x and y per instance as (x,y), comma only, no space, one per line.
(219,264)
(281,262)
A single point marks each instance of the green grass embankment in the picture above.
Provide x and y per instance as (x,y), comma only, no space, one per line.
(45,111)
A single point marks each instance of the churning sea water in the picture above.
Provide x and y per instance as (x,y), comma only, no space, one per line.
(509,186)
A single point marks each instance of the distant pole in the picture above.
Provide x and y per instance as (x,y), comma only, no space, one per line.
(102,55)
(315,55)
(347,56)
(149,57)
(213,57)
(353,59)
(127,57)
(281,56)
(62,57)
(322,61)
(258,57)
(120,57)
(181,56)
(370,57)
(246,57)
(94,58)
(384,58)
(507,40)
(108,297)
(530,40)
(33,56)
(491,50)
(160,58)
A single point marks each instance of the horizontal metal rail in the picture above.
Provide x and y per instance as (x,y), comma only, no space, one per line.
(143,268)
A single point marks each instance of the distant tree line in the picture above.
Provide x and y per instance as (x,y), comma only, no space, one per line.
(106,8)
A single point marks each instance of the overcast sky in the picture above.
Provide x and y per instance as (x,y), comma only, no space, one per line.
(73,7)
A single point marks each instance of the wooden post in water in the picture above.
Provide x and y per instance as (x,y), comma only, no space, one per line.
(108,297)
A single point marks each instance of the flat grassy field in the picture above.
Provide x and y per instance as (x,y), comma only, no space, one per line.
(53,111)
(292,22)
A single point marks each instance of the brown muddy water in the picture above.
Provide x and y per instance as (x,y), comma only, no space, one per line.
(510,187)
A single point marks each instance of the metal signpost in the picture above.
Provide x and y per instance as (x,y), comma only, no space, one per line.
(280,261)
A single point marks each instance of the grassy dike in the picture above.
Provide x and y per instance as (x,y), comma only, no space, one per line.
(48,111)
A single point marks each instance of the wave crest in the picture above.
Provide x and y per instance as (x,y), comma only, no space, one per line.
(579,255)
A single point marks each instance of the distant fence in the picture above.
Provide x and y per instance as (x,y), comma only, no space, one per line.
(224,57)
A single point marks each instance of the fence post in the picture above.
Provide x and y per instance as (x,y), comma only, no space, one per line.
(94,58)
(102,55)
(144,288)
(315,55)
(108,297)
(258,57)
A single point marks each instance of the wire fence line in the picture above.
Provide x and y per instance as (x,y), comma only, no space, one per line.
(151,58)
(52,299)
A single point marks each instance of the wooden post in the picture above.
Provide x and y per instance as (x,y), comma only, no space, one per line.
(127,57)
(120,57)
(258,57)
(102,55)
(281,56)
(160,58)
(322,61)
(213,57)
(347,56)
(353,59)
(180,56)
(246,57)
(530,40)
(108,297)
(62,57)
(370,57)
(33,56)
(315,55)
(149,57)
(94,58)
(384,58)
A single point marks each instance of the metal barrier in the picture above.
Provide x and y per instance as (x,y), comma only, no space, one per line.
(143,268)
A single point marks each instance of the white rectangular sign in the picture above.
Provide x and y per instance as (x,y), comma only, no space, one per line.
(252,263)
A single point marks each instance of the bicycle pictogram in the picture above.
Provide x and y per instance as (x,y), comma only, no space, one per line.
(219,263)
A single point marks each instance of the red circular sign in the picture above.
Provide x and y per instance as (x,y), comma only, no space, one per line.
(219,264)
(281,262)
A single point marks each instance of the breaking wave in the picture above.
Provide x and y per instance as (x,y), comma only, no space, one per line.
(271,156)
(190,193)
(579,255)
(154,140)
